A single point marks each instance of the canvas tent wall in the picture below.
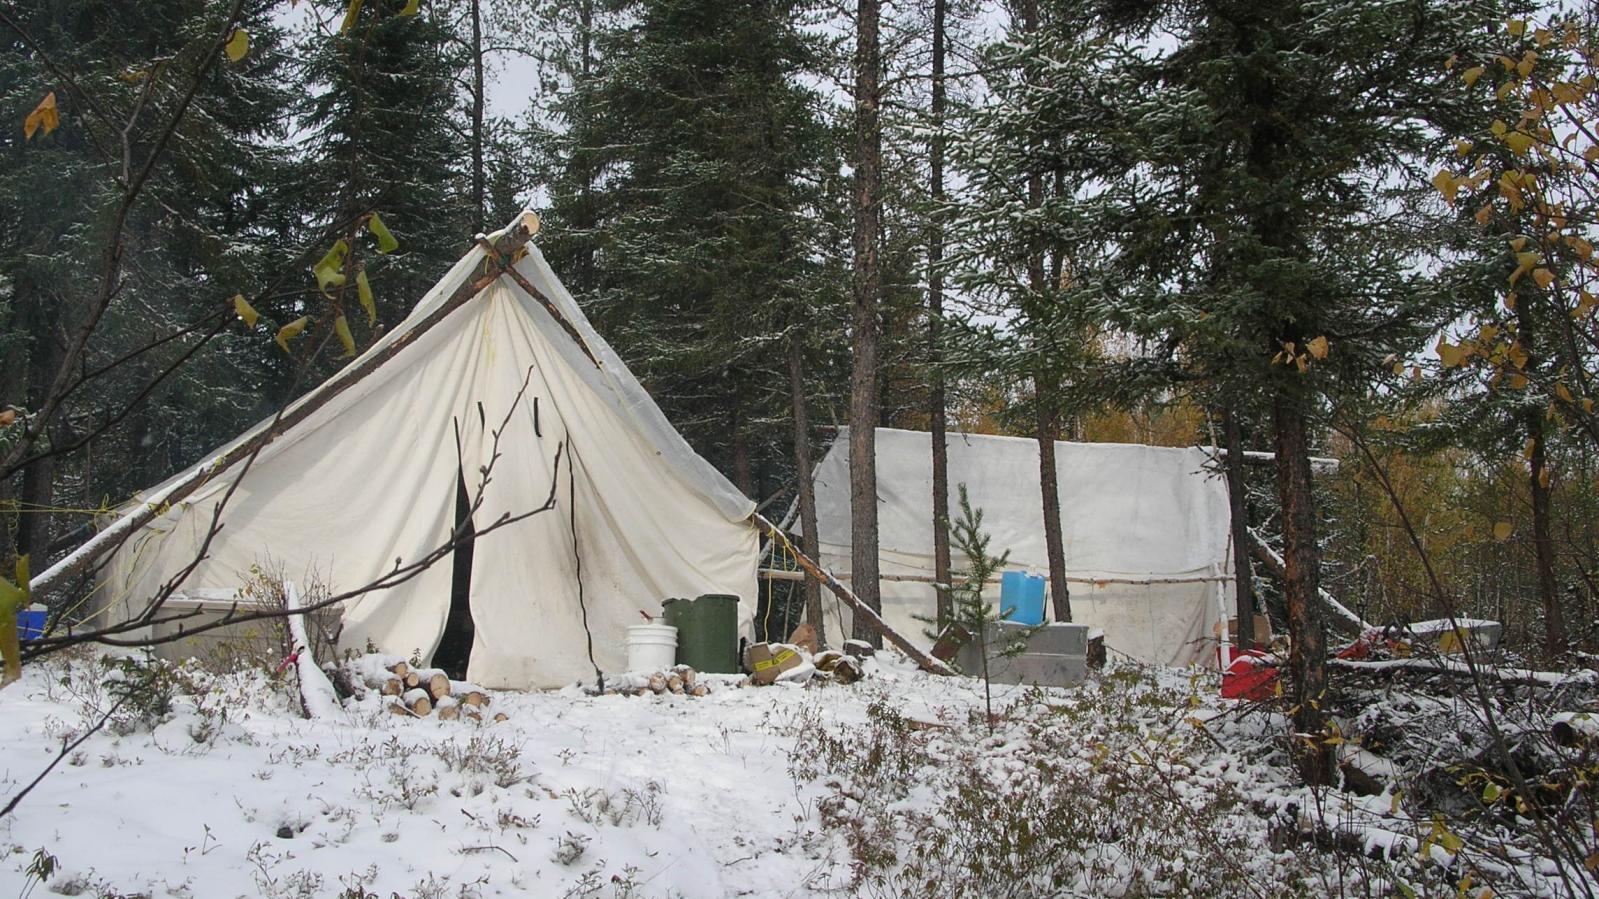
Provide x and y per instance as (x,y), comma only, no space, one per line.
(372,478)
(1145,529)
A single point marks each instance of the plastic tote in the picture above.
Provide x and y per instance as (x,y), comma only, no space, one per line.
(1021,597)
(31,621)
(651,647)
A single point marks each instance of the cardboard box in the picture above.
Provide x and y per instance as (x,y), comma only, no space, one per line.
(766,661)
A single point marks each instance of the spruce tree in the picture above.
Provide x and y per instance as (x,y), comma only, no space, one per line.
(1235,209)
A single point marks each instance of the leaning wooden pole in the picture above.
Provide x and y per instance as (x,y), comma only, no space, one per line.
(119,531)
(847,596)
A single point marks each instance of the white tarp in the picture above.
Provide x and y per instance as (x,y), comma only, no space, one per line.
(371,478)
(1129,513)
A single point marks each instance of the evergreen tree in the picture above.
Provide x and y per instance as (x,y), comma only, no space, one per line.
(165,373)
(1238,211)
(383,138)
(687,206)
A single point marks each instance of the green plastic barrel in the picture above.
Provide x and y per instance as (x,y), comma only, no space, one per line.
(707,631)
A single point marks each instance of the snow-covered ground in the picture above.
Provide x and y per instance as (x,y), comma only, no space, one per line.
(236,795)
(1142,782)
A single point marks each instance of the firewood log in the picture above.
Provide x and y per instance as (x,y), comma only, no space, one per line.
(400,669)
(474,698)
(674,683)
(418,701)
(397,707)
(412,680)
(657,683)
(501,716)
(700,690)
(438,685)
(449,712)
(391,687)
(689,675)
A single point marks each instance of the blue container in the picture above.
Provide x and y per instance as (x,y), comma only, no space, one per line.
(1021,598)
(30,623)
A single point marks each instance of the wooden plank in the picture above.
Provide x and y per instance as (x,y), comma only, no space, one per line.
(836,587)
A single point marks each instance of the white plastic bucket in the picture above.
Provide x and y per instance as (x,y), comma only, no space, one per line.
(651,647)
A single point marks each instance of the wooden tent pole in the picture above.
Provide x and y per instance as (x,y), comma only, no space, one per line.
(923,660)
(119,531)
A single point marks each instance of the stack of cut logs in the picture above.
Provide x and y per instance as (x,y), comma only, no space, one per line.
(682,680)
(419,692)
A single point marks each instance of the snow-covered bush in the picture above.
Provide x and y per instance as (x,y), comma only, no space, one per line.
(1085,793)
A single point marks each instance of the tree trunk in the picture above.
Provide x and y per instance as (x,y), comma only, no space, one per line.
(1044,390)
(938,416)
(863,406)
(477,117)
(1543,543)
(807,488)
(1243,579)
(38,477)
(741,451)
(1307,662)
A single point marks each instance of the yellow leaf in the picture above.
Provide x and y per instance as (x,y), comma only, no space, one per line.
(1498,128)
(1519,142)
(1528,61)
(245,310)
(238,44)
(1518,244)
(291,330)
(1449,354)
(1446,184)
(330,271)
(1528,448)
(1544,277)
(1518,381)
(45,116)
(341,327)
(386,241)
(1583,248)
(351,14)
(412,7)
(13,597)
(1502,531)
(1484,214)
(1462,147)
(363,290)
(1516,27)
(1472,74)
(1591,862)
(1318,347)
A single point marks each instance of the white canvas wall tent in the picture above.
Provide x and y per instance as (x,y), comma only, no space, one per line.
(371,477)
(1145,528)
